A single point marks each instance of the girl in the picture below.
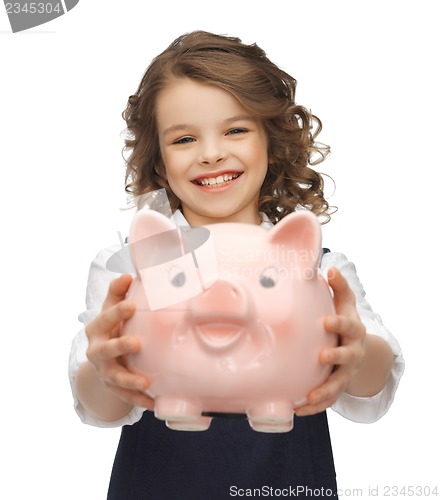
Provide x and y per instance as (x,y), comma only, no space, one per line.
(215,123)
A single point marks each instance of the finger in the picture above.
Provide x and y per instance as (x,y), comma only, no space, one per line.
(135,398)
(342,355)
(331,389)
(341,290)
(346,326)
(113,348)
(326,395)
(129,386)
(307,410)
(117,290)
(109,319)
(119,376)
(310,409)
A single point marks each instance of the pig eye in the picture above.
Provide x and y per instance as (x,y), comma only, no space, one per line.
(267,282)
(177,277)
(269,277)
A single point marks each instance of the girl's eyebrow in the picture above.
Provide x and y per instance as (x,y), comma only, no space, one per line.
(173,128)
(184,126)
(238,118)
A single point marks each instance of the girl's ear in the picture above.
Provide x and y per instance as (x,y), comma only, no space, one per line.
(153,239)
(299,235)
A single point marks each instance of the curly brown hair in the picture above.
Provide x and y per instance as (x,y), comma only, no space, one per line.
(265,90)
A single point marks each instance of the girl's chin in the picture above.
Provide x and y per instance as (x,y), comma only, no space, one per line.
(198,216)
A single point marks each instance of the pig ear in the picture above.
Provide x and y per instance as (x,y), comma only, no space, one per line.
(153,239)
(147,223)
(299,234)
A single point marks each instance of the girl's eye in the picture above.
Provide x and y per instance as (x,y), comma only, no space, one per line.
(184,140)
(237,131)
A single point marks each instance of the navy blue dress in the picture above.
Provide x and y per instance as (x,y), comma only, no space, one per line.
(228,460)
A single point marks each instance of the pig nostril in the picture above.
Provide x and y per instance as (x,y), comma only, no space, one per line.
(234,293)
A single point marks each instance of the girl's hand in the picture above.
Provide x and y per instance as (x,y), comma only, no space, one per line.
(348,356)
(107,349)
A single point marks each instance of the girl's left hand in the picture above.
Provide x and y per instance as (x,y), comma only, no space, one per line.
(346,357)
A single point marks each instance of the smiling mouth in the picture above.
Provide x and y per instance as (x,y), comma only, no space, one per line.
(220,180)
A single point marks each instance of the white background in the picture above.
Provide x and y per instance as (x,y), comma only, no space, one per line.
(369,70)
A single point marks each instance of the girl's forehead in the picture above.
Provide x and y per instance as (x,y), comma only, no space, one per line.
(186,99)
(189,87)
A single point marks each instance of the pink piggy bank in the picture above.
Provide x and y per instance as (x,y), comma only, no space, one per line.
(230,318)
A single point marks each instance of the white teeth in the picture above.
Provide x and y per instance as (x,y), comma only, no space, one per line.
(212,181)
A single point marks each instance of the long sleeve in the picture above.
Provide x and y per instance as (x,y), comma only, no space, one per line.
(369,409)
(97,287)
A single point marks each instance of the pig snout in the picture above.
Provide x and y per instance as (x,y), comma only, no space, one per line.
(221,313)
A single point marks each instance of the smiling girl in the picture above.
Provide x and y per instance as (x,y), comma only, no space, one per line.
(215,152)
(215,123)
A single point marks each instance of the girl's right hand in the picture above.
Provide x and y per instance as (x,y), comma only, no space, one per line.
(107,349)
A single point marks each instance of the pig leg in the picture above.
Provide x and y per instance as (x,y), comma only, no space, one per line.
(176,409)
(198,424)
(268,427)
(272,416)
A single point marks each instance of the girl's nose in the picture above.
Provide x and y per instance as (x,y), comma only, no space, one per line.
(211,153)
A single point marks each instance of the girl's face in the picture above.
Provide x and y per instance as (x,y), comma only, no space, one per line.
(214,152)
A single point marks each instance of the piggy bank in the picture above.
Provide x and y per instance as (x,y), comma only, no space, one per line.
(230,319)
